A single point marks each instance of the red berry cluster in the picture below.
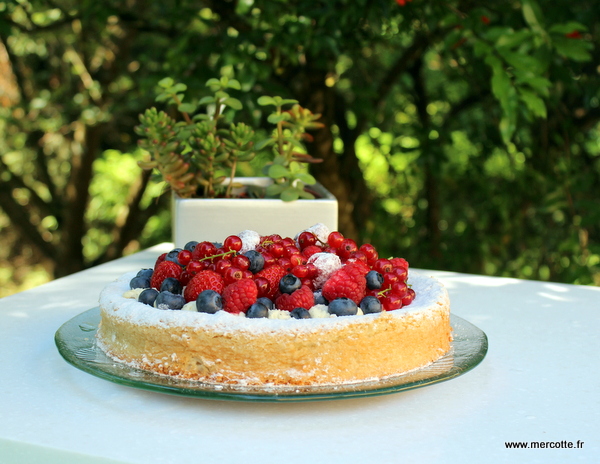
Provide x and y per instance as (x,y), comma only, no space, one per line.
(227,271)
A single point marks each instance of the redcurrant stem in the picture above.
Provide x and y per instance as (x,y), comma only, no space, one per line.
(217,256)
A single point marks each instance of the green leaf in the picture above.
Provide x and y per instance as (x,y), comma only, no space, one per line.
(233,103)
(306,195)
(265,101)
(187,108)
(307,178)
(206,101)
(540,84)
(521,61)
(163,97)
(277,171)
(274,190)
(567,28)
(166,82)
(500,81)
(535,104)
(532,13)
(213,83)
(574,49)
(276,118)
(234,84)
(513,39)
(290,194)
(178,88)
(263,144)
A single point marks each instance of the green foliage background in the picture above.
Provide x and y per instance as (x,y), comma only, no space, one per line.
(460,135)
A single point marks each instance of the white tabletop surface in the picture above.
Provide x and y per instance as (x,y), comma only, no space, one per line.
(539,383)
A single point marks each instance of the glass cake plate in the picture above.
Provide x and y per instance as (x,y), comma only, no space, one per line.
(76,342)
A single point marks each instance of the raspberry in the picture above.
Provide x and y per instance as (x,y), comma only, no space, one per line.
(162,271)
(273,275)
(239,296)
(345,284)
(301,298)
(204,280)
(357,268)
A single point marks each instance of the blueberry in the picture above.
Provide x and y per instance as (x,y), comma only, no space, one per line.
(171,284)
(139,282)
(145,273)
(257,261)
(257,310)
(320,299)
(173,255)
(168,300)
(148,296)
(209,301)
(374,280)
(300,313)
(267,302)
(343,307)
(190,246)
(370,304)
(289,283)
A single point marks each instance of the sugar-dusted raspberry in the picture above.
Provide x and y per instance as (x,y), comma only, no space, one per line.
(301,298)
(344,284)
(162,271)
(250,240)
(239,296)
(326,264)
(203,280)
(320,231)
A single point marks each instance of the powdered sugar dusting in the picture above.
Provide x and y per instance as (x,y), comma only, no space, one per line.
(430,293)
(327,264)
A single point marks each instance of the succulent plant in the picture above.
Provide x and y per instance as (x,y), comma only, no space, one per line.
(196,151)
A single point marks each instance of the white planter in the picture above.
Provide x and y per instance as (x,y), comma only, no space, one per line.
(213,219)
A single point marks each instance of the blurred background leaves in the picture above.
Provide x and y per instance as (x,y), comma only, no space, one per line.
(459,136)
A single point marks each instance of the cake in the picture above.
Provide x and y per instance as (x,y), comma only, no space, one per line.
(319,312)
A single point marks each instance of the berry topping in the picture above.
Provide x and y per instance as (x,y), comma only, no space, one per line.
(301,298)
(209,301)
(148,296)
(145,273)
(370,304)
(374,280)
(171,284)
(239,296)
(257,310)
(300,313)
(335,239)
(204,280)
(233,242)
(289,283)
(190,246)
(344,284)
(168,300)
(257,261)
(173,255)
(273,275)
(343,307)
(164,270)
(254,274)
(140,282)
(267,302)
(306,239)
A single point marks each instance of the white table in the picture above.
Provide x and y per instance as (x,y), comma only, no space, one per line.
(539,382)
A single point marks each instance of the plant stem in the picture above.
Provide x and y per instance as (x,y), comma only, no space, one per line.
(230,186)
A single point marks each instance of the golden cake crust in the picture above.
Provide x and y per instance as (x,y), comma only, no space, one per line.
(227,349)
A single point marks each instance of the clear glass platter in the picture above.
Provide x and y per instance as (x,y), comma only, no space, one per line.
(76,342)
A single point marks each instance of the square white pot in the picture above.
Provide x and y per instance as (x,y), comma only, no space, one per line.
(213,219)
